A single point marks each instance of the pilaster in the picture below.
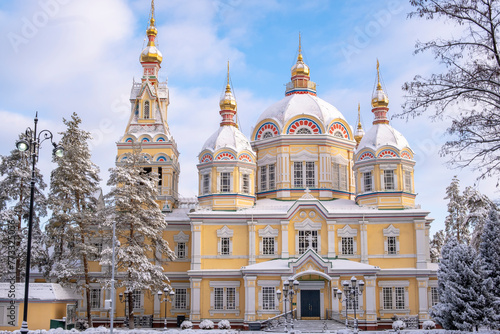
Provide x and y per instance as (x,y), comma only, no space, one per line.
(250,283)
(420,243)
(284,239)
(195,299)
(364,240)
(423,303)
(251,242)
(331,238)
(371,301)
(196,246)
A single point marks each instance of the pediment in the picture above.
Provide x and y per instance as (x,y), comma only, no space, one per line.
(310,261)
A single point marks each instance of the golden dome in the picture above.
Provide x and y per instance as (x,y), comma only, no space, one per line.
(151,52)
(358,135)
(300,68)
(379,98)
(227,101)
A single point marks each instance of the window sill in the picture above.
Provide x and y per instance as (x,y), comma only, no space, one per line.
(224,312)
(402,311)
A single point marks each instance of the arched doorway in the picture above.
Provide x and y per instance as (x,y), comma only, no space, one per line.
(313,297)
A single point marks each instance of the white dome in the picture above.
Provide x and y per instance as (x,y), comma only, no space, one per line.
(301,104)
(383,135)
(227,137)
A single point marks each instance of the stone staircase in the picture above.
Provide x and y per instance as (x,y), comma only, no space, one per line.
(309,326)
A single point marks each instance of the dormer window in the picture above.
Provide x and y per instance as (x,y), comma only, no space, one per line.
(146,110)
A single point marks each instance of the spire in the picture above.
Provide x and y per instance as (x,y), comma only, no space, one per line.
(380,102)
(301,83)
(228,104)
(359,132)
(151,54)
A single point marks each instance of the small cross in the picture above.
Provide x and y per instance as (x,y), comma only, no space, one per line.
(307,191)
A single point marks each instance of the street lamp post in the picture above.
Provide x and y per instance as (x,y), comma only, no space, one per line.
(169,298)
(352,291)
(290,288)
(32,144)
(124,299)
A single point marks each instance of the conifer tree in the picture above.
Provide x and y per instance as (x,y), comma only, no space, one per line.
(139,228)
(15,182)
(463,296)
(436,244)
(73,201)
(489,251)
(455,222)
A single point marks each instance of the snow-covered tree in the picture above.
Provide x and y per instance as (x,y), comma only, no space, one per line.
(489,250)
(467,213)
(15,184)
(139,228)
(436,244)
(73,200)
(463,295)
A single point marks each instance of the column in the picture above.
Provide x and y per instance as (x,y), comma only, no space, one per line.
(334,283)
(364,240)
(423,304)
(371,302)
(420,242)
(196,246)
(284,239)
(195,299)
(251,242)
(331,238)
(250,298)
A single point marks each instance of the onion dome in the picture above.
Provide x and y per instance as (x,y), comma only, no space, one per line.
(300,68)
(300,81)
(359,131)
(151,53)
(379,97)
(227,101)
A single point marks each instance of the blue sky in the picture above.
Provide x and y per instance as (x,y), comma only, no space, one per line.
(64,56)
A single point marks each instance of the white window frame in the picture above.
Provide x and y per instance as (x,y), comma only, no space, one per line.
(181,237)
(177,287)
(205,184)
(407,179)
(347,232)
(307,225)
(432,285)
(223,186)
(383,169)
(301,171)
(339,176)
(395,286)
(390,232)
(138,300)
(347,246)
(268,232)
(261,307)
(9,314)
(180,303)
(245,173)
(95,298)
(223,234)
(220,171)
(298,174)
(389,179)
(146,112)
(226,308)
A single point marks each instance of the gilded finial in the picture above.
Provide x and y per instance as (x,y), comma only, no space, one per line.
(359,116)
(379,86)
(299,57)
(359,132)
(228,86)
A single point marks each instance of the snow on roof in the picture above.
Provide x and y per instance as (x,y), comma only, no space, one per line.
(301,104)
(383,135)
(280,264)
(40,292)
(178,214)
(227,136)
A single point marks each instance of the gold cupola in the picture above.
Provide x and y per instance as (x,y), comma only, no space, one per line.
(379,98)
(300,68)
(228,104)
(151,54)
(358,135)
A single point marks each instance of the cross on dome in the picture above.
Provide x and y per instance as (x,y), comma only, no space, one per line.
(228,104)
(151,54)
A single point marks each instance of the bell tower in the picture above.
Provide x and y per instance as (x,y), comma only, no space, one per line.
(147,125)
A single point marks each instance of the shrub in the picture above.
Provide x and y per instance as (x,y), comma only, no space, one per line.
(224,324)
(186,324)
(429,324)
(398,325)
(207,324)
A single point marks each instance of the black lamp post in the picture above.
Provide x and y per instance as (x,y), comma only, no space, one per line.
(169,298)
(32,144)
(290,288)
(352,292)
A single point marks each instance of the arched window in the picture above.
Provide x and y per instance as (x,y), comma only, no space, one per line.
(146,110)
(303,131)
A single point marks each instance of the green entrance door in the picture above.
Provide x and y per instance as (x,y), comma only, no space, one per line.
(309,304)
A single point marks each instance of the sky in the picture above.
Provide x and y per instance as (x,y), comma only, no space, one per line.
(63,56)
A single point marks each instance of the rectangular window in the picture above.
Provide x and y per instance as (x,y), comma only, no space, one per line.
(137,295)
(339,177)
(399,293)
(224,246)
(297,175)
(181,250)
(263,178)
(95,256)
(306,239)
(268,245)
(347,245)
(230,298)
(367,181)
(225,182)
(434,296)
(387,296)
(206,184)
(391,246)
(272,176)
(95,298)
(310,179)
(268,298)
(408,181)
(219,298)
(245,187)
(388,179)
(160,178)
(180,299)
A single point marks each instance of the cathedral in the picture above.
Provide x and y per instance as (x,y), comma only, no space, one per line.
(305,198)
